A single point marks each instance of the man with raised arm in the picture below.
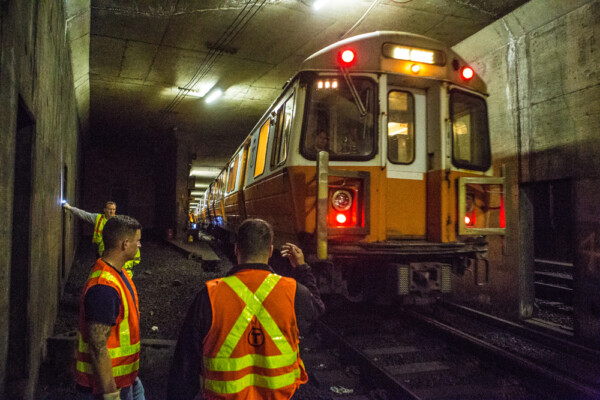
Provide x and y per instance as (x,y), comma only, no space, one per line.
(98,220)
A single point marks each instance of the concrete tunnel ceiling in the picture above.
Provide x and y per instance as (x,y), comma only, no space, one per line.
(152,61)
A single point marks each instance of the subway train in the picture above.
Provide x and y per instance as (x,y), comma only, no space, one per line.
(376,160)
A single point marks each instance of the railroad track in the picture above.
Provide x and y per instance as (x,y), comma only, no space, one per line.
(561,365)
(391,353)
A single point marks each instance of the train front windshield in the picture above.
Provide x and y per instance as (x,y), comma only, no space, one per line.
(339,119)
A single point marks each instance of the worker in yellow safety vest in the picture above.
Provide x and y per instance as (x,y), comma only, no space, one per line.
(99,220)
(240,339)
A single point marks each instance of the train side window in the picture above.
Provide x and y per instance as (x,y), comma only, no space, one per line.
(470,135)
(221,183)
(401,127)
(261,151)
(233,173)
(282,132)
(245,164)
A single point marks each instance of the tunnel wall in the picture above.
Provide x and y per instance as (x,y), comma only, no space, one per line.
(540,63)
(123,174)
(38,113)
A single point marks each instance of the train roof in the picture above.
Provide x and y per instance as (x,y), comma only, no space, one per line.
(327,59)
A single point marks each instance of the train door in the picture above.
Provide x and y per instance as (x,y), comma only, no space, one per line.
(405,200)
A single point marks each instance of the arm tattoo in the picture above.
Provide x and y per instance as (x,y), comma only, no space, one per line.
(101,362)
(99,334)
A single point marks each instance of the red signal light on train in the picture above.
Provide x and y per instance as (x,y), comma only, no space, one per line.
(470,219)
(341,218)
(467,73)
(347,57)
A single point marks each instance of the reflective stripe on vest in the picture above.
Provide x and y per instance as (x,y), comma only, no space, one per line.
(253,308)
(268,382)
(222,362)
(125,348)
(119,370)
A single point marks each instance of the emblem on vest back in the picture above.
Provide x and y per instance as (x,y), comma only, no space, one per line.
(256,337)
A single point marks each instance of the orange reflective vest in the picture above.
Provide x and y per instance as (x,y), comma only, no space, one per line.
(98,228)
(251,349)
(124,340)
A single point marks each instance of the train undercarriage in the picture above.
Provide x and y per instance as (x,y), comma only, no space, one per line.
(414,272)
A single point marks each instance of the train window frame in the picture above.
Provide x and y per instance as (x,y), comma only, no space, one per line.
(462,191)
(281,136)
(486,154)
(308,81)
(233,169)
(413,136)
(222,178)
(260,155)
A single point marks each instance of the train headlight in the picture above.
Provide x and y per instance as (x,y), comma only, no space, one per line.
(341,200)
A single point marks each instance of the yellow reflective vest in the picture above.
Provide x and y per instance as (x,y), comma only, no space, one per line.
(97,237)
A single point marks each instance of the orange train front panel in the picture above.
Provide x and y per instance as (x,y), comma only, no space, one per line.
(405,208)
(399,208)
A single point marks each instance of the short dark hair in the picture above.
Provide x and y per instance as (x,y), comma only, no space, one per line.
(108,203)
(118,228)
(254,237)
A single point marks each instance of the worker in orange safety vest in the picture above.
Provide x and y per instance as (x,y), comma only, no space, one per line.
(240,339)
(108,350)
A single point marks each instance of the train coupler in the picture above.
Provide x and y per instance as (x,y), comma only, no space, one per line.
(425,277)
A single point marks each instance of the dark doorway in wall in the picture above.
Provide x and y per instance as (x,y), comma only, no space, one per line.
(121,197)
(553,214)
(553,221)
(19,337)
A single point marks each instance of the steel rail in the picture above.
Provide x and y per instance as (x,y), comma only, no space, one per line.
(375,372)
(578,350)
(551,381)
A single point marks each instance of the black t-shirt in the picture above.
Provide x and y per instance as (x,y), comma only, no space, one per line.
(102,302)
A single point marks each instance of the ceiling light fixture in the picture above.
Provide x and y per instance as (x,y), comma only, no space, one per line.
(204,172)
(213,95)
(317,5)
